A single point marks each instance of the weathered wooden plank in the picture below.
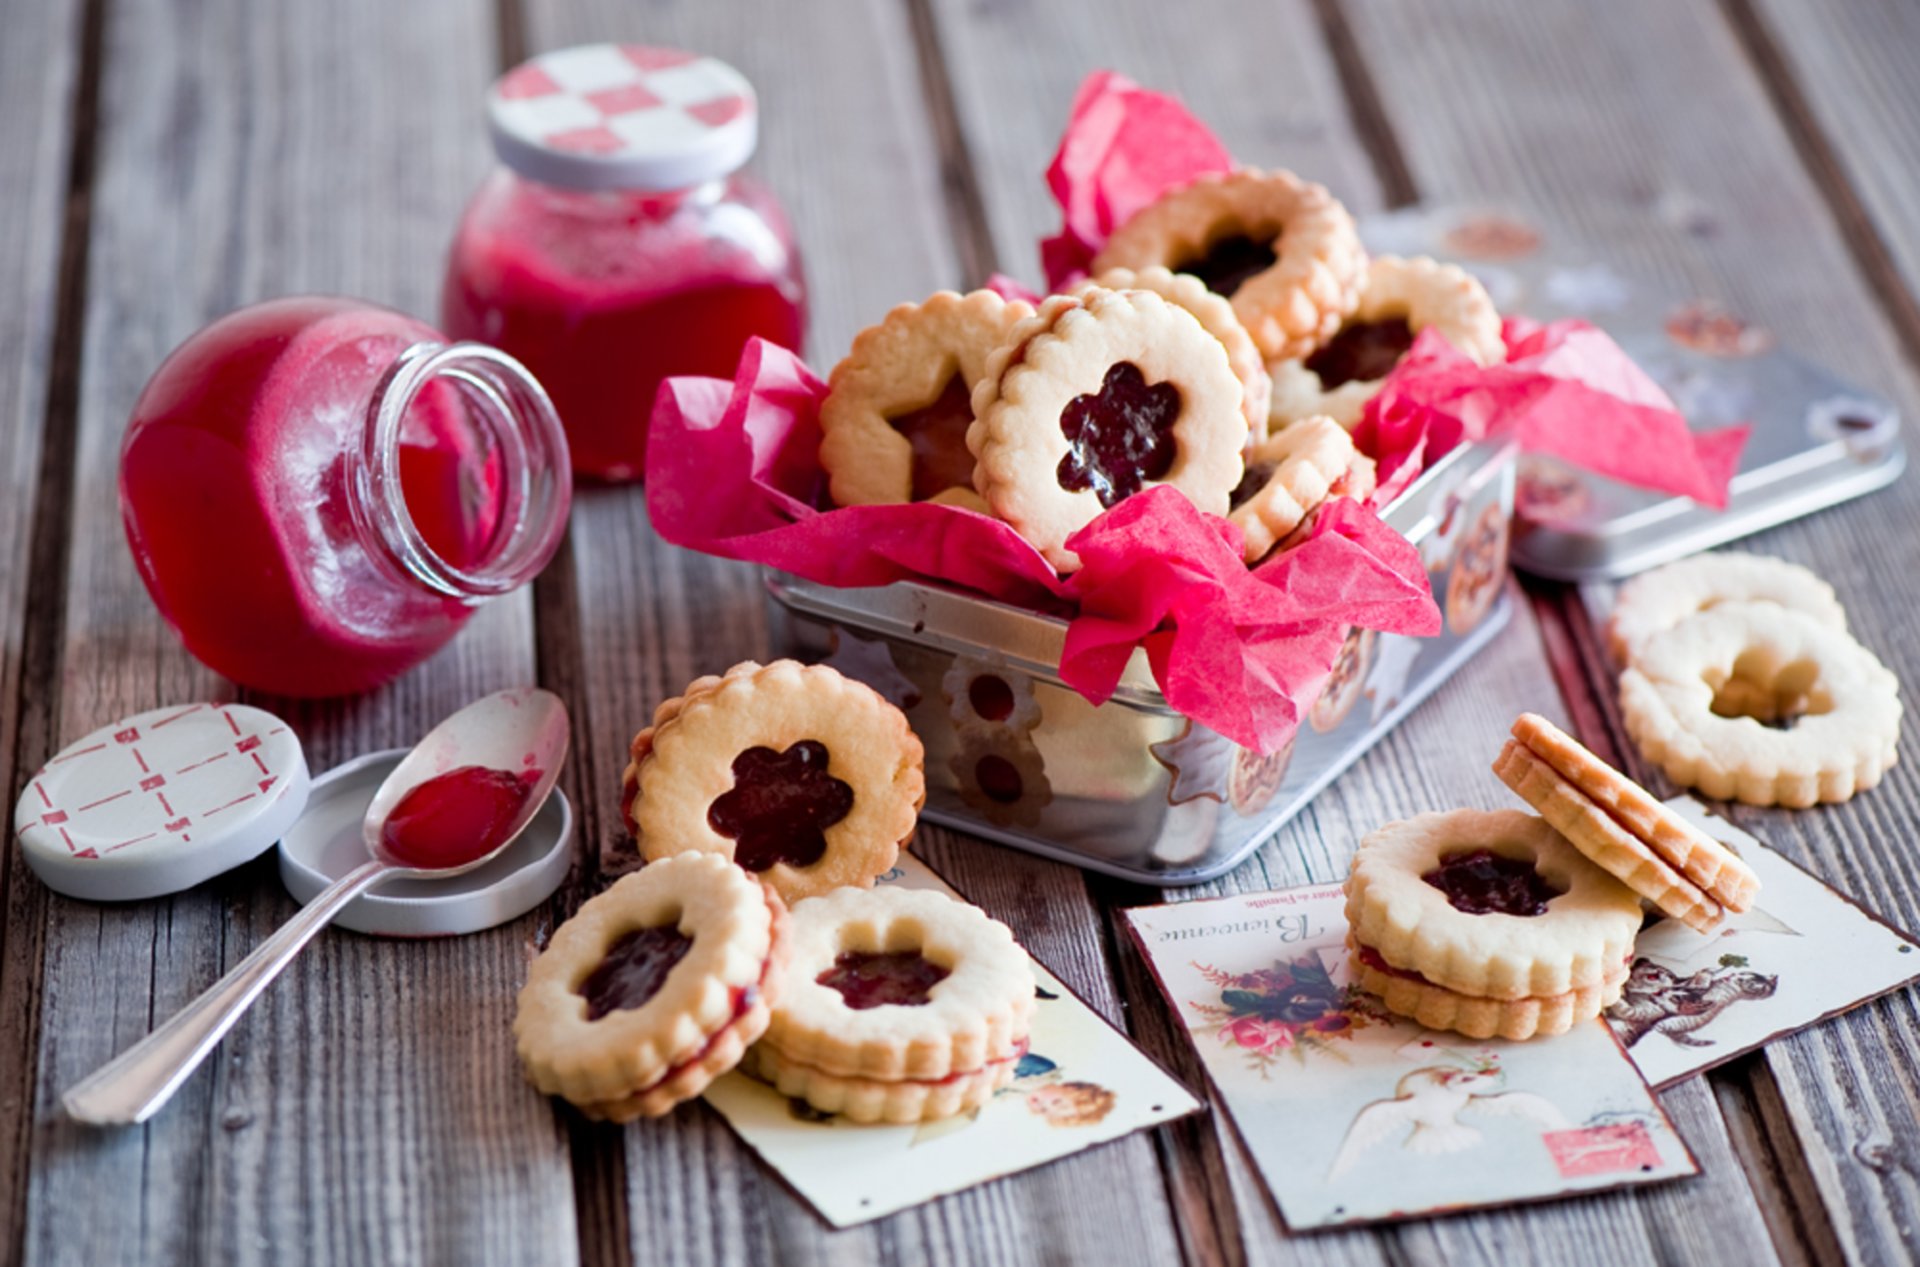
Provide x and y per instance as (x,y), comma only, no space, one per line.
(370,1107)
(847,143)
(47,94)
(1730,211)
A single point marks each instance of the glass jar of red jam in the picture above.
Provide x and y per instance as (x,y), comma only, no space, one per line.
(618,244)
(320,492)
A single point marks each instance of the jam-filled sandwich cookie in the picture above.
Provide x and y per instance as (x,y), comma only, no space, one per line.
(900,1006)
(1682,871)
(1095,398)
(1216,317)
(893,427)
(806,778)
(1290,474)
(1401,298)
(1762,704)
(1283,250)
(653,989)
(1487,923)
(1656,601)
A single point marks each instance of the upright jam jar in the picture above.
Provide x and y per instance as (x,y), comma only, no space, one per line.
(618,243)
(320,492)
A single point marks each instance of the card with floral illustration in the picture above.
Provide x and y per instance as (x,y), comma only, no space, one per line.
(1081,1083)
(1356,1116)
(1801,955)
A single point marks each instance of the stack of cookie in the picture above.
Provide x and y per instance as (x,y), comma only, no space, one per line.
(877,1004)
(1229,336)
(1514,926)
(1739,679)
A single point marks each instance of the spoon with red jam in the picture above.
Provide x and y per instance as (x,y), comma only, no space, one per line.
(463,794)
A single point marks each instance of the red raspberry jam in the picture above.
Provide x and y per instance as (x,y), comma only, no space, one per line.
(900,978)
(1119,437)
(1485,883)
(938,434)
(635,968)
(456,817)
(1361,352)
(781,805)
(1232,261)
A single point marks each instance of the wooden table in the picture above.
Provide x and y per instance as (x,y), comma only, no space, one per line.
(164,162)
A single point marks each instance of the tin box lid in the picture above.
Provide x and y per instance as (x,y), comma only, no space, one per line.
(161,801)
(623,116)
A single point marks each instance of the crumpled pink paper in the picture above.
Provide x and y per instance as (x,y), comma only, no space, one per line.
(1565,389)
(733,470)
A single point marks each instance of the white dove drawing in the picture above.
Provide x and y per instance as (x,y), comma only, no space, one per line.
(1430,1101)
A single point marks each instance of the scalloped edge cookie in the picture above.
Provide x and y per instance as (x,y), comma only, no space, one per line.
(1310,460)
(867,1100)
(1517,1020)
(1656,601)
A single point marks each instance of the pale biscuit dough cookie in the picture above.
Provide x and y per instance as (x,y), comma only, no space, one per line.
(1524,913)
(1702,701)
(806,778)
(1217,318)
(1094,399)
(1301,466)
(1660,599)
(653,988)
(1401,298)
(1410,995)
(893,427)
(888,984)
(1705,863)
(1282,249)
(868,1100)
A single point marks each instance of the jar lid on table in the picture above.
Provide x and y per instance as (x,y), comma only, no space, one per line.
(623,116)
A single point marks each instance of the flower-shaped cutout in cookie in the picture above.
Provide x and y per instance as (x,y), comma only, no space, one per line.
(888,978)
(1119,437)
(781,806)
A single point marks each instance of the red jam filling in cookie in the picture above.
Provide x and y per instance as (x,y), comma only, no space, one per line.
(1229,262)
(991,697)
(1484,883)
(1361,352)
(938,435)
(900,978)
(999,779)
(635,968)
(1119,437)
(781,806)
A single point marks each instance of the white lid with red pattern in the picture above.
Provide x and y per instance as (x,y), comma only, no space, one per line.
(623,116)
(162,801)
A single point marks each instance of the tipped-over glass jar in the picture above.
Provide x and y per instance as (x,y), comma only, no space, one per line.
(618,244)
(320,492)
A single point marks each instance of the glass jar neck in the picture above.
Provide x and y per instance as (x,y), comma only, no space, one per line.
(651,203)
(513,418)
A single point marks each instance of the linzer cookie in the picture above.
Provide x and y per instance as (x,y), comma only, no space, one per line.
(894,423)
(1487,919)
(1095,398)
(806,778)
(1401,298)
(653,989)
(1684,872)
(901,1005)
(1282,249)
(1762,704)
(1658,600)
(1290,474)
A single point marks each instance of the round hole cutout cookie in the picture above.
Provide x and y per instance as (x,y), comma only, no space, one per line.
(1762,704)
(1001,775)
(967,1003)
(653,988)
(1098,397)
(1401,298)
(893,427)
(1578,940)
(806,778)
(1283,250)
(988,693)
(1656,601)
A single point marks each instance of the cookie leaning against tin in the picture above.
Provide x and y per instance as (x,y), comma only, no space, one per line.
(653,988)
(1290,474)
(806,778)
(1682,871)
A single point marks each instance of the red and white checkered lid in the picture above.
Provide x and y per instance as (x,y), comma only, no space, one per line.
(623,116)
(159,802)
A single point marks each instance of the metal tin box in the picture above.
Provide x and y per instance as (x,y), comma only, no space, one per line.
(1131,787)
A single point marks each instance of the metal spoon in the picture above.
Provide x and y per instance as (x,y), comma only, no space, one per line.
(517,730)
